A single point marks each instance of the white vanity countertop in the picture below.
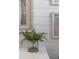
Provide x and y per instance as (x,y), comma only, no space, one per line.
(41,54)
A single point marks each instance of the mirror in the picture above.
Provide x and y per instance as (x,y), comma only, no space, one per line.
(25,14)
(55,25)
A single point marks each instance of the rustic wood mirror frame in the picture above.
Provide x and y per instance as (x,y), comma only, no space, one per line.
(28,16)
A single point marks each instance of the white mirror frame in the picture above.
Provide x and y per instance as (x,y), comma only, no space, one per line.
(52,26)
(53,3)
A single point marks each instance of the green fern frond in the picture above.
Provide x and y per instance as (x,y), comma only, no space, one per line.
(33,36)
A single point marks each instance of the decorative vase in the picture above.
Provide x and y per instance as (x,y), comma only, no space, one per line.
(33,47)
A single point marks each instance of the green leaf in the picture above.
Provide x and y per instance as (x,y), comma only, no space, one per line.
(33,36)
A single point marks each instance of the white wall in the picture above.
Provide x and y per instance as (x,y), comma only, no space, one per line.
(41,15)
(42,22)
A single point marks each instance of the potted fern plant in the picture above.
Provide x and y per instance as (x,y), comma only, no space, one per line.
(33,38)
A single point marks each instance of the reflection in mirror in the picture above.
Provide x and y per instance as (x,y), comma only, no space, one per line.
(56,25)
(23,12)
